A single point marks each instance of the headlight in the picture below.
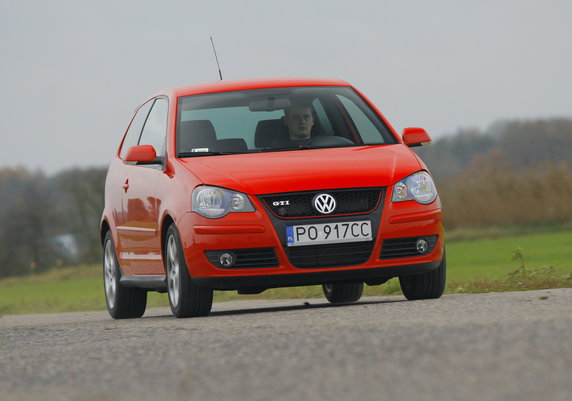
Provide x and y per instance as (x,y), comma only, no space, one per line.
(214,202)
(418,186)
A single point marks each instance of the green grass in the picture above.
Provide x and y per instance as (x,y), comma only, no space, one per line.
(478,265)
(490,258)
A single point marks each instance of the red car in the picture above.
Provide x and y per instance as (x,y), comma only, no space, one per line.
(256,184)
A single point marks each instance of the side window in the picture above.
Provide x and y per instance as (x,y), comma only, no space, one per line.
(322,117)
(155,130)
(134,131)
(367,130)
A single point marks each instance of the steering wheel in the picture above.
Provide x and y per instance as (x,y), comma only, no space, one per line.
(329,140)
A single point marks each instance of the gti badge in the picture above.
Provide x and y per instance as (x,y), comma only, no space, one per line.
(281,203)
(324,203)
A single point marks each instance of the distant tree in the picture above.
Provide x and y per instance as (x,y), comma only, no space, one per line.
(35,210)
(81,204)
(449,156)
(528,143)
(523,144)
(25,220)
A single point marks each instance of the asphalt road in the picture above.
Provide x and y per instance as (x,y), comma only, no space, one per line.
(503,346)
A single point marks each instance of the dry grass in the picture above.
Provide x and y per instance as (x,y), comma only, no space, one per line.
(493,194)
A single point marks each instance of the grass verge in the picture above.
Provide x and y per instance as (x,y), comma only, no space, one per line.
(520,262)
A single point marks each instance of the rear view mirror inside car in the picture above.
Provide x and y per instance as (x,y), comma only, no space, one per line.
(269,103)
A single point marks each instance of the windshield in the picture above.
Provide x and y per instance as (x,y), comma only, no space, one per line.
(275,119)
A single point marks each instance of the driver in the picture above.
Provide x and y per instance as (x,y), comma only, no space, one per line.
(299,119)
(296,126)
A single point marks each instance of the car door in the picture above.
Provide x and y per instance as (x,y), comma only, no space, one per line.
(118,183)
(141,234)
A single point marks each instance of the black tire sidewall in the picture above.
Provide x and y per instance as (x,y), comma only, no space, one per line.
(129,302)
(342,292)
(429,285)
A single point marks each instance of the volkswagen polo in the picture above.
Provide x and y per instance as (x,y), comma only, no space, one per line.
(256,184)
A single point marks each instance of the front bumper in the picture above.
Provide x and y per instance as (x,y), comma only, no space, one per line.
(371,275)
(263,230)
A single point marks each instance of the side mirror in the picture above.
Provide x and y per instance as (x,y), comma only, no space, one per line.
(141,153)
(414,136)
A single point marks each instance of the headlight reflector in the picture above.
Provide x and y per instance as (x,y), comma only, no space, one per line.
(400,191)
(214,202)
(418,187)
(238,201)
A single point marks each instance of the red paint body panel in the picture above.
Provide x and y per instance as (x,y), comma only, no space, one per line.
(139,199)
(367,166)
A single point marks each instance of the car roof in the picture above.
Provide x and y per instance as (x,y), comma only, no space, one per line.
(243,84)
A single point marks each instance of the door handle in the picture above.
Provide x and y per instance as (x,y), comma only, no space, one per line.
(126,185)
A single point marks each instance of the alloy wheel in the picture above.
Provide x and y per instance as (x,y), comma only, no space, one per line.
(173,278)
(110,277)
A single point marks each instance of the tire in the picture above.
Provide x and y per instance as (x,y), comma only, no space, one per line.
(122,302)
(343,292)
(186,298)
(428,285)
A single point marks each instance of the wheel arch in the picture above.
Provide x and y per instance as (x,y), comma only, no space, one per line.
(105,227)
(167,221)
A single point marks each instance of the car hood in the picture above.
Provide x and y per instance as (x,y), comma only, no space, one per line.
(303,170)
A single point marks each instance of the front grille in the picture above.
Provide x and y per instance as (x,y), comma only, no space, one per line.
(330,255)
(246,258)
(299,204)
(405,247)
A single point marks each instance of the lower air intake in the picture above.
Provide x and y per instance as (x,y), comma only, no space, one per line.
(330,255)
(245,258)
(406,247)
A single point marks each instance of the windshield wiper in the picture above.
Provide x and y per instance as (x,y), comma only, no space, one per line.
(299,147)
(208,153)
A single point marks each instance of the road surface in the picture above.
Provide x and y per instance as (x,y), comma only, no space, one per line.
(499,346)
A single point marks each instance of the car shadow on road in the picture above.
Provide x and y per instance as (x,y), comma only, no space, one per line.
(305,305)
(287,308)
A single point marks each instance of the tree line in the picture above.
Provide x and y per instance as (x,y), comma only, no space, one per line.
(515,173)
(521,144)
(49,221)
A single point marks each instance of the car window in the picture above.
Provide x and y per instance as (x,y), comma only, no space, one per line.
(155,129)
(322,118)
(270,119)
(366,128)
(134,131)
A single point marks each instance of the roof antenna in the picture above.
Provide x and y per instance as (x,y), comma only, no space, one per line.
(216,58)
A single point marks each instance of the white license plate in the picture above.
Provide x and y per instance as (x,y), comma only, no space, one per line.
(328,233)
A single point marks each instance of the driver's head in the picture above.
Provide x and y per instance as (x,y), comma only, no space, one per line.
(299,120)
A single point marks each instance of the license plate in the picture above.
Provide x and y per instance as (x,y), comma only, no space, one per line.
(328,233)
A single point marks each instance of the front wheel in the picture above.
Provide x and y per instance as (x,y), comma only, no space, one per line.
(122,302)
(185,297)
(426,285)
(343,292)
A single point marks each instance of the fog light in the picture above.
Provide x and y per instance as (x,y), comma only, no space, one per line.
(422,245)
(227,259)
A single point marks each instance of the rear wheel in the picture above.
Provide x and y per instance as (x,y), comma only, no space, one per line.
(122,302)
(343,292)
(186,298)
(427,285)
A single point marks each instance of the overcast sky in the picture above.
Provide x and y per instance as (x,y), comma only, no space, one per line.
(72,72)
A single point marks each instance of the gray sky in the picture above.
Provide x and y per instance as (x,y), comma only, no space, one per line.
(71,72)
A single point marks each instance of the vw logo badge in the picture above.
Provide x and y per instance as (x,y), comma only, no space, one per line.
(324,203)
